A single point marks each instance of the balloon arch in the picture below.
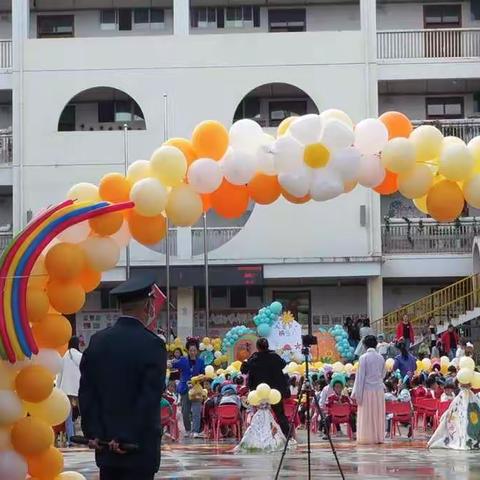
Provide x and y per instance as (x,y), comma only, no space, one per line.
(60,256)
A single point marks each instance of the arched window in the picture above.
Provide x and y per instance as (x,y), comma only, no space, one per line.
(101,109)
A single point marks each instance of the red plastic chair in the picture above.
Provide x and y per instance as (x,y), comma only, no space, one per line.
(340,414)
(426,408)
(442,408)
(169,421)
(228,415)
(290,407)
(402,413)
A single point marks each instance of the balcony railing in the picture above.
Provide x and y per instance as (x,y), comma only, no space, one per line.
(463,128)
(6,148)
(5,239)
(428,236)
(216,237)
(172,243)
(6,60)
(426,44)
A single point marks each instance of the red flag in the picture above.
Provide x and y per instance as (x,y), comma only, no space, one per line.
(159,299)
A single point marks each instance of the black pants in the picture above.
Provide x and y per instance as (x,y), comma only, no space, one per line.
(112,473)
(328,423)
(281,417)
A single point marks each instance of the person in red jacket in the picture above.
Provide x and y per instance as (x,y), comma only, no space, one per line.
(450,340)
(405,332)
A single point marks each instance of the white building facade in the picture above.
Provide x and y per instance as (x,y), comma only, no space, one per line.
(74,72)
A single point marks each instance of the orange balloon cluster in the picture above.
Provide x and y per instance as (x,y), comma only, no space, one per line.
(230,201)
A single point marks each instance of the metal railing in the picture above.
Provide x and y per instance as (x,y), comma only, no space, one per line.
(6,148)
(216,237)
(440,307)
(464,128)
(429,236)
(5,239)
(433,43)
(172,243)
(6,60)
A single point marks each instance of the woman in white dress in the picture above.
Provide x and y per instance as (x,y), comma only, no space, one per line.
(69,382)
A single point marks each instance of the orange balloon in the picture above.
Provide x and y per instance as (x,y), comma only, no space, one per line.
(52,332)
(34,383)
(230,201)
(65,261)
(398,124)
(39,275)
(89,279)
(147,230)
(37,304)
(31,436)
(389,184)
(296,200)
(206,202)
(114,188)
(46,465)
(185,146)
(445,201)
(210,139)
(107,224)
(66,297)
(264,189)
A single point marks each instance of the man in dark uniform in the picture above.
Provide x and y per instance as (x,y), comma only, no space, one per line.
(123,378)
(265,366)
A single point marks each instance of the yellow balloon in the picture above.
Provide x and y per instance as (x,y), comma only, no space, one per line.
(337,367)
(7,376)
(54,410)
(149,196)
(444,361)
(389,364)
(451,140)
(284,125)
(426,364)
(476,380)
(169,165)
(398,155)
(467,362)
(421,204)
(316,155)
(184,206)
(138,171)
(416,183)
(70,476)
(263,391)
(84,192)
(474,148)
(465,376)
(274,397)
(253,398)
(428,141)
(335,114)
(471,191)
(456,162)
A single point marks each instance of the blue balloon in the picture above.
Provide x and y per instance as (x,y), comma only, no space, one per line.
(276,308)
(264,330)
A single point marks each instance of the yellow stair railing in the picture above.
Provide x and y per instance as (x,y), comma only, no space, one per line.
(441,306)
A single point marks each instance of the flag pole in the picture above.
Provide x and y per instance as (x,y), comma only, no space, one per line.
(207,287)
(125,160)
(167,238)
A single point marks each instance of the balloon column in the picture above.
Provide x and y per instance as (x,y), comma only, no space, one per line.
(233,335)
(266,317)
(341,338)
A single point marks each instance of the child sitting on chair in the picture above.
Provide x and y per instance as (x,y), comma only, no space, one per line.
(336,398)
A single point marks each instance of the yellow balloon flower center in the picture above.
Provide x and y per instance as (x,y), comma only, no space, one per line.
(473,418)
(316,155)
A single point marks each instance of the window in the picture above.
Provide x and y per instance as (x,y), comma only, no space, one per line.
(281,109)
(141,17)
(119,111)
(67,119)
(444,107)
(297,302)
(125,19)
(199,298)
(238,17)
(249,108)
(106,112)
(442,16)
(157,18)
(123,111)
(204,17)
(238,297)
(230,17)
(49,26)
(286,20)
(108,19)
(218,292)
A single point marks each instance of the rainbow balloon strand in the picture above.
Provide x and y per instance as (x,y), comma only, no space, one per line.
(16,264)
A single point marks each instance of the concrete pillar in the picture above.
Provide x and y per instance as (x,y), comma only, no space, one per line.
(184,312)
(181,17)
(368,25)
(375,299)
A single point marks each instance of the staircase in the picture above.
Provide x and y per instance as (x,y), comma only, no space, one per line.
(456,304)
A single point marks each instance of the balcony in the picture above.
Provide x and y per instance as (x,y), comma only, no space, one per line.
(6,60)
(216,237)
(465,129)
(445,43)
(427,236)
(6,148)
(5,239)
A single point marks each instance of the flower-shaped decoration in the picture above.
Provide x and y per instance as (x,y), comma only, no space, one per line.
(287,318)
(473,428)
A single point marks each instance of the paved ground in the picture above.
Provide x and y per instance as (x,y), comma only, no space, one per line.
(399,459)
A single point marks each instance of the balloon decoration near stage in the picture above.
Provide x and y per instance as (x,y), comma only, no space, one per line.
(60,256)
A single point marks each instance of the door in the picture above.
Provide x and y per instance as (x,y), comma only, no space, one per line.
(125,19)
(439,40)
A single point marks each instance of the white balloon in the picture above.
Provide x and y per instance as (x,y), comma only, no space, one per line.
(150,196)
(49,359)
(333,113)
(326,184)
(307,128)
(12,466)
(102,253)
(371,135)
(238,167)
(138,170)
(205,175)
(346,162)
(372,172)
(246,135)
(76,233)
(336,134)
(122,237)
(265,159)
(296,183)
(11,408)
(287,154)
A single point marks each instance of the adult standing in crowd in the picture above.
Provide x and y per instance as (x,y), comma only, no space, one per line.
(69,382)
(123,379)
(405,361)
(353,332)
(450,341)
(189,366)
(368,391)
(265,366)
(365,331)
(405,332)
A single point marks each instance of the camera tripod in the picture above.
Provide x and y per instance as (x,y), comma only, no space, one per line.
(306,388)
